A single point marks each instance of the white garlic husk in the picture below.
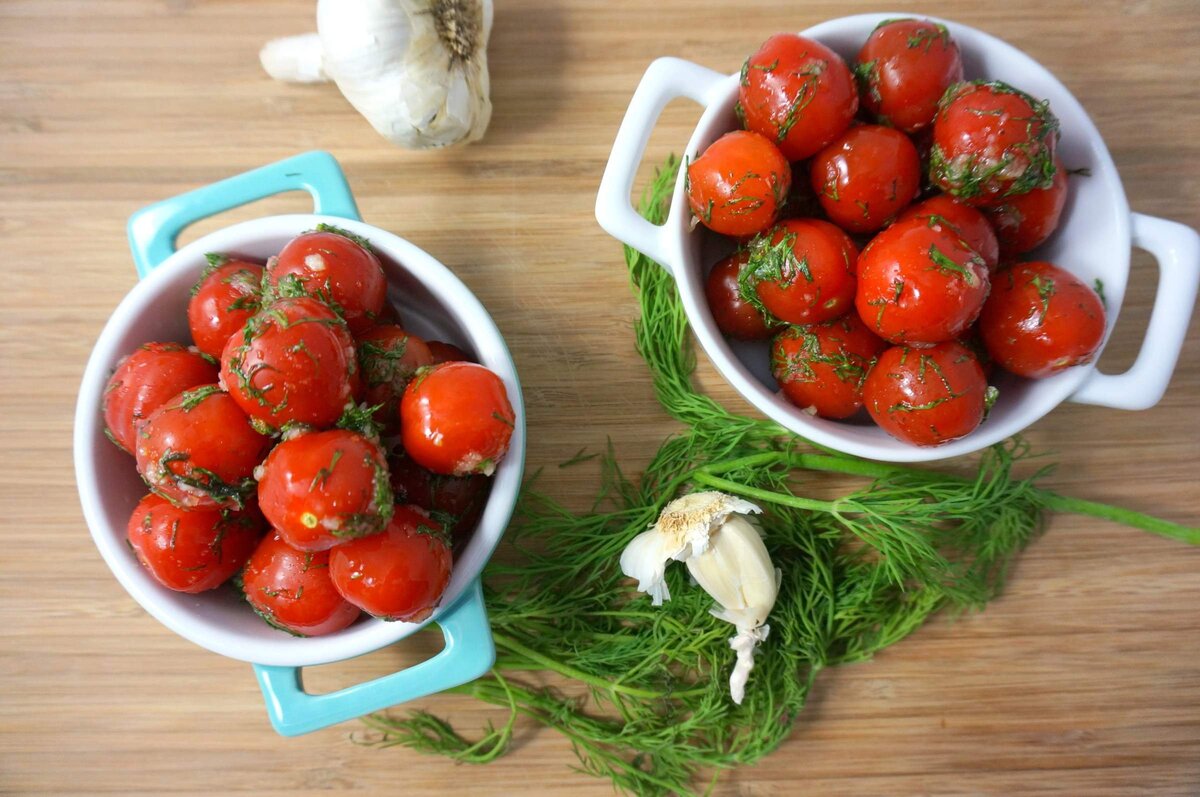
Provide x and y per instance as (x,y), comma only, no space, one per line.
(725,554)
(416,69)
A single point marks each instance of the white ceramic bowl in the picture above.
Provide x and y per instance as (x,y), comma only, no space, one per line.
(1093,242)
(433,304)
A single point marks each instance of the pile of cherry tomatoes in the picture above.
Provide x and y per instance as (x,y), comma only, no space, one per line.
(306,447)
(879,213)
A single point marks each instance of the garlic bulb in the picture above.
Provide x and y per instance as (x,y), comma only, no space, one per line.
(726,556)
(416,69)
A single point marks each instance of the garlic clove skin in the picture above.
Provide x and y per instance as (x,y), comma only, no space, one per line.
(736,571)
(295,59)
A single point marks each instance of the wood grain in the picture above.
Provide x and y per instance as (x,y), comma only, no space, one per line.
(1083,679)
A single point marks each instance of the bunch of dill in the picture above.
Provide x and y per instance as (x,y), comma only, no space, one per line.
(860,572)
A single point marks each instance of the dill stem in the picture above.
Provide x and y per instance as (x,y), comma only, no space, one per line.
(1137,520)
(765,495)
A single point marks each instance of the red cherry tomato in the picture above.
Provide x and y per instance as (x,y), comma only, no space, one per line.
(971,225)
(388,357)
(737,186)
(198,449)
(323,488)
(443,352)
(1025,221)
(991,141)
(455,418)
(398,574)
(143,381)
(735,316)
(918,283)
(927,396)
(292,590)
(336,267)
(904,69)
(798,93)
(291,364)
(191,550)
(456,501)
(228,293)
(1041,319)
(866,176)
(802,272)
(822,368)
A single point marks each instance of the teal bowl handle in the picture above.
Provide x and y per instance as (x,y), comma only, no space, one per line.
(469,653)
(154,229)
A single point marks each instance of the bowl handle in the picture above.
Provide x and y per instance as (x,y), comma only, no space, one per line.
(665,79)
(469,653)
(154,229)
(1177,250)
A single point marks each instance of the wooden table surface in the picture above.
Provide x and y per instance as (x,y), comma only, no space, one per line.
(1083,679)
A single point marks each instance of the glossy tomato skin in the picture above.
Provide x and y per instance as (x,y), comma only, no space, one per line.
(992,141)
(335,267)
(822,368)
(927,396)
(798,93)
(388,357)
(1041,319)
(734,316)
(143,381)
(1025,221)
(223,300)
(738,184)
(456,501)
(919,284)
(456,419)
(323,488)
(293,362)
(291,589)
(192,550)
(866,176)
(801,272)
(398,574)
(971,225)
(443,352)
(199,450)
(903,70)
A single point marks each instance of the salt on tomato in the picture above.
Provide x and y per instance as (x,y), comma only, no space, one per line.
(1025,221)
(738,184)
(927,396)
(192,550)
(798,93)
(336,267)
(734,316)
(291,589)
(801,272)
(970,224)
(226,295)
(388,357)
(143,381)
(821,368)
(866,176)
(903,70)
(455,418)
(1041,319)
(398,574)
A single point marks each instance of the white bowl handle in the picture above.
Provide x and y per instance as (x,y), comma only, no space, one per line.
(1177,250)
(665,79)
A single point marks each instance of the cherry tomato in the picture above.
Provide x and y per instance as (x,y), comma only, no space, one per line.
(991,141)
(322,488)
(199,449)
(398,574)
(866,176)
(798,93)
(143,381)
(927,396)
(455,418)
(443,352)
(822,368)
(456,501)
(802,272)
(388,357)
(735,316)
(336,267)
(904,69)
(1025,221)
(918,283)
(292,363)
(737,185)
(191,550)
(1041,319)
(228,293)
(292,590)
(971,225)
